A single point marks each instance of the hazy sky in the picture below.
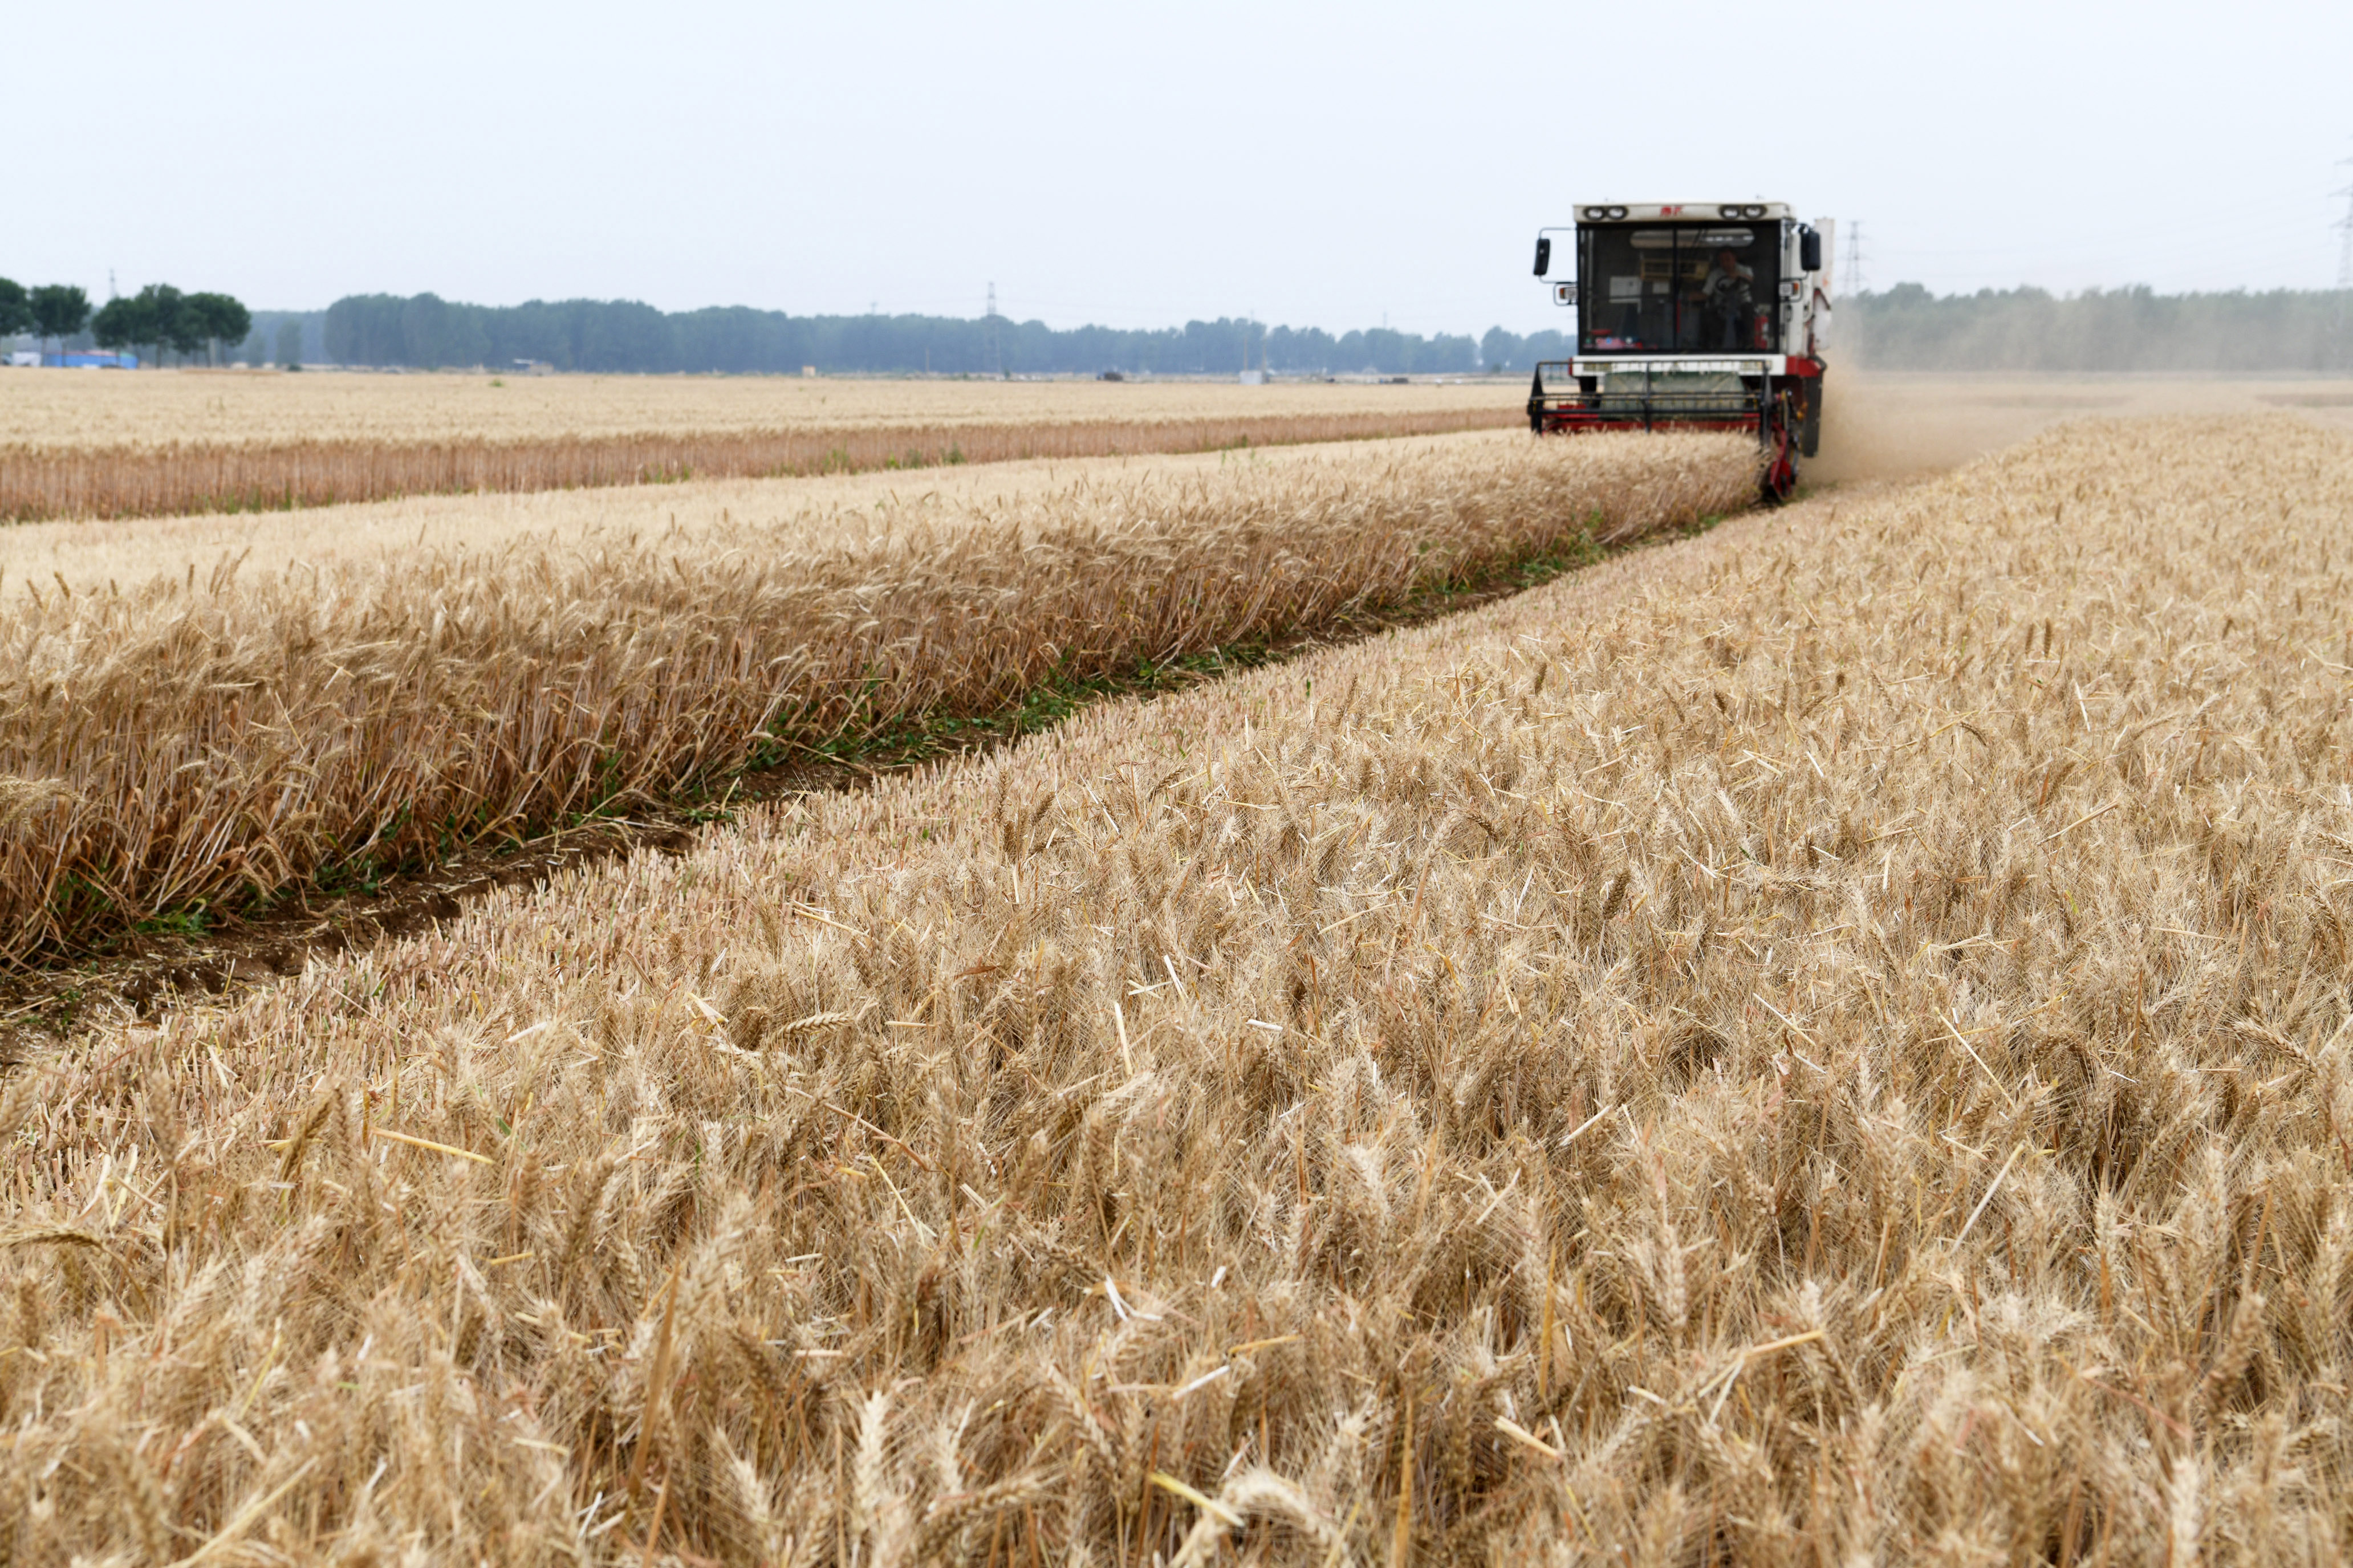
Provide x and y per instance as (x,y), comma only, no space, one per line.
(1323,164)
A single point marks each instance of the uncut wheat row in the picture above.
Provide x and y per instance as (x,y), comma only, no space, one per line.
(160,481)
(203,739)
(1827,1042)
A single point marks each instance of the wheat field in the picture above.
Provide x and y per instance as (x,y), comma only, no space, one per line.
(1827,1042)
(220,739)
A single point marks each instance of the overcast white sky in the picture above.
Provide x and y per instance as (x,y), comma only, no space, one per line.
(1317,164)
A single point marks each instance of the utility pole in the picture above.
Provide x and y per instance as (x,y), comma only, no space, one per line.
(1851,269)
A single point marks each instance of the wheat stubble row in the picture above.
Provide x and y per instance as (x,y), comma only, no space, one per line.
(223,736)
(1826,1042)
(163,482)
(160,445)
(160,409)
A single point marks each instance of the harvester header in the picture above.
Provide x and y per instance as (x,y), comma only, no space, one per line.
(1694,315)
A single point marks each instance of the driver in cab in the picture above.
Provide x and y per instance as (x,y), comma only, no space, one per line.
(1727,294)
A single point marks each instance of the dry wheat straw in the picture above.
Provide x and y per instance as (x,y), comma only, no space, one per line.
(1673,959)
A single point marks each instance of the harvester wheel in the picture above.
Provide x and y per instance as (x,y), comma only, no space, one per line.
(1810,428)
(1779,481)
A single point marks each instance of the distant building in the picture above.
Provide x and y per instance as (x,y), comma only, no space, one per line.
(79,358)
(29,358)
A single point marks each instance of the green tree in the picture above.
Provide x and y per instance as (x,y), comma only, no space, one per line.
(214,320)
(60,311)
(16,310)
(157,314)
(117,324)
(185,329)
(290,343)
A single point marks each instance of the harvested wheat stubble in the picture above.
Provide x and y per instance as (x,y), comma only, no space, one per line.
(1828,1041)
(199,408)
(197,740)
(137,481)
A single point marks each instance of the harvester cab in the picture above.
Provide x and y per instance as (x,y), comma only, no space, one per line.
(1695,316)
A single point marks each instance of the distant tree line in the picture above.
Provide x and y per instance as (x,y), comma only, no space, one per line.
(1907,327)
(1904,327)
(1500,350)
(426,331)
(158,316)
(52,310)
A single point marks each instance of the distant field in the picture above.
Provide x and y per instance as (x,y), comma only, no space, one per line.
(91,553)
(1884,426)
(84,446)
(42,409)
(100,446)
(1824,1043)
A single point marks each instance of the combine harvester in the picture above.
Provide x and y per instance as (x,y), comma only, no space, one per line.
(1698,316)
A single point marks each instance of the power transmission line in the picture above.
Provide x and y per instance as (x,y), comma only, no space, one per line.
(1851,269)
(2345,253)
(995,350)
(2345,249)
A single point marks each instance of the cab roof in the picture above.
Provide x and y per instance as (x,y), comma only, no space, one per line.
(1676,212)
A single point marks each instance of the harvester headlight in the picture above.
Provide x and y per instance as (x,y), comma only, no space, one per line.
(1617,212)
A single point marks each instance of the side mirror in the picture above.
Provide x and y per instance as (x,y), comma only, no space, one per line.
(1809,249)
(1543,254)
